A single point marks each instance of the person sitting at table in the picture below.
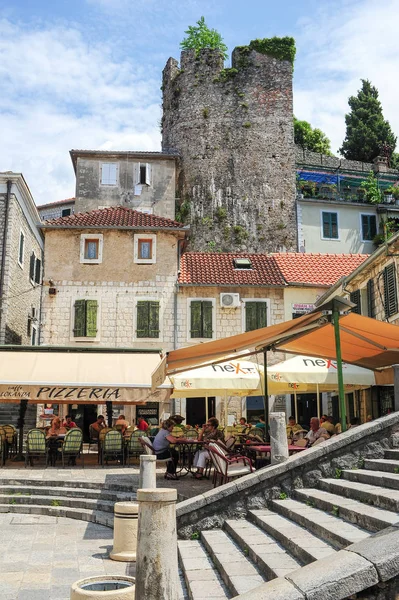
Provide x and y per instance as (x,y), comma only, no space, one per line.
(121,423)
(98,425)
(161,445)
(53,440)
(209,433)
(55,428)
(178,420)
(68,423)
(292,428)
(325,422)
(316,432)
(141,424)
(242,423)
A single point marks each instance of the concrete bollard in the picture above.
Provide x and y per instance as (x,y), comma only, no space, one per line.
(278,438)
(107,587)
(125,531)
(156,570)
(148,472)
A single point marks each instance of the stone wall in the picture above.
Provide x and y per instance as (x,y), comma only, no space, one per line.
(234,499)
(233,129)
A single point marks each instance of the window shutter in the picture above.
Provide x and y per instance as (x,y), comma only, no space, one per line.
(91,318)
(136,173)
(390,295)
(334,225)
(370,298)
(32,267)
(38,268)
(261,314)
(250,316)
(373,227)
(195,319)
(207,319)
(355,298)
(142,319)
(153,320)
(148,174)
(80,318)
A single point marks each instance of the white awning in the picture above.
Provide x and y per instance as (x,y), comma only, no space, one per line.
(72,377)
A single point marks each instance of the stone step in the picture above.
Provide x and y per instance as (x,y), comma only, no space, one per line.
(269,556)
(68,483)
(391,454)
(382,464)
(33,490)
(65,501)
(327,526)
(237,572)
(369,494)
(378,478)
(82,514)
(363,515)
(201,578)
(302,544)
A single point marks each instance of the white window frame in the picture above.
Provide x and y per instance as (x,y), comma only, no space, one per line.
(21,235)
(368,214)
(91,236)
(243,310)
(145,261)
(116,174)
(137,174)
(85,339)
(196,340)
(337,239)
(148,299)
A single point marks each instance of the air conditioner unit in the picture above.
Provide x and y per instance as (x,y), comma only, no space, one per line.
(229,300)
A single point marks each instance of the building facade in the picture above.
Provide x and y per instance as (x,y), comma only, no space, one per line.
(55,210)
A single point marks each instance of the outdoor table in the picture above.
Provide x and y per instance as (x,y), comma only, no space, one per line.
(186,450)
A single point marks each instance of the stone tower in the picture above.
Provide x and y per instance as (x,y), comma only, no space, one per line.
(233,129)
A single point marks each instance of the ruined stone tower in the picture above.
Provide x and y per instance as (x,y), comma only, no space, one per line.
(233,129)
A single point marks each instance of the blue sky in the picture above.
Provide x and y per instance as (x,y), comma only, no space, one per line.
(87,73)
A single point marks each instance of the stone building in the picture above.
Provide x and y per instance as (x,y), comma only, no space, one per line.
(21,265)
(233,131)
(54,210)
(109,280)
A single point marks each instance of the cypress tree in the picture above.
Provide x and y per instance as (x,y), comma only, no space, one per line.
(367,132)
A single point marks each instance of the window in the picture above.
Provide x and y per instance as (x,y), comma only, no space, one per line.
(145,249)
(242,263)
(34,335)
(21,249)
(255,314)
(147,319)
(38,270)
(109,173)
(91,248)
(370,299)
(85,318)
(330,225)
(390,294)
(369,227)
(201,318)
(35,268)
(356,299)
(65,212)
(142,174)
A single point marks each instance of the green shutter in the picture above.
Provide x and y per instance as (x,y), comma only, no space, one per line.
(153,320)
(80,318)
(261,316)
(142,330)
(390,295)
(250,316)
(370,298)
(355,298)
(38,270)
(32,267)
(91,318)
(195,319)
(207,308)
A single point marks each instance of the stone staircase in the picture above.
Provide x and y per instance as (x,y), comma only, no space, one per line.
(312,524)
(87,501)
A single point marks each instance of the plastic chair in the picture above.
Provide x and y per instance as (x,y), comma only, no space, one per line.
(134,448)
(227,468)
(112,446)
(36,446)
(72,446)
(177,432)
(93,438)
(11,439)
(149,449)
(191,433)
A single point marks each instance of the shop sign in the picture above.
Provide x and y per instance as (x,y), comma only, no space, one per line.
(36,393)
(302,308)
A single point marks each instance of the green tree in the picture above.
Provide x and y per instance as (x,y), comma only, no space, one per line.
(200,36)
(311,139)
(366,129)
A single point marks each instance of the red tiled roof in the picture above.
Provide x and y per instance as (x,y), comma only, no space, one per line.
(114,216)
(316,269)
(217,268)
(66,201)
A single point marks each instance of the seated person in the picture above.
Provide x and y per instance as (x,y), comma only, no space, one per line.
(68,423)
(178,421)
(326,423)
(98,425)
(316,432)
(121,420)
(354,422)
(141,424)
(55,428)
(209,433)
(161,445)
(293,428)
(261,424)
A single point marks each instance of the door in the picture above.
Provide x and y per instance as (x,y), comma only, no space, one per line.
(84,415)
(195,410)
(307,408)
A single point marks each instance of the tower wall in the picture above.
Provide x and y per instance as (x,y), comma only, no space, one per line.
(233,129)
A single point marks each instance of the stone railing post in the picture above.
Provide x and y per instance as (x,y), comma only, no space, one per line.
(148,479)
(278,438)
(125,531)
(157,571)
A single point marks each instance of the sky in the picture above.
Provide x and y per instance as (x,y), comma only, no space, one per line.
(86,74)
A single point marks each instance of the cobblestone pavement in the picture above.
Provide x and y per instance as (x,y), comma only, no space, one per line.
(42,556)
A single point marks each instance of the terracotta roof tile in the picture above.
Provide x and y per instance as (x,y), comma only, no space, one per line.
(115,216)
(316,269)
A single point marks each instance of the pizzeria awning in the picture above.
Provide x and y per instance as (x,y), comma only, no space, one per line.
(79,376)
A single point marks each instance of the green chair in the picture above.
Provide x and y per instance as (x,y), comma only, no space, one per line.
(133,447)
(72,446)
(112,447)
(36,446)
(191,433)
(11,440)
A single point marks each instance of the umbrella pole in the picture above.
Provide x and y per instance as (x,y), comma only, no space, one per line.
(23,405)
(266,394)
(206,409)
(295,407)
(339,365)
(226,410)
(318,401)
